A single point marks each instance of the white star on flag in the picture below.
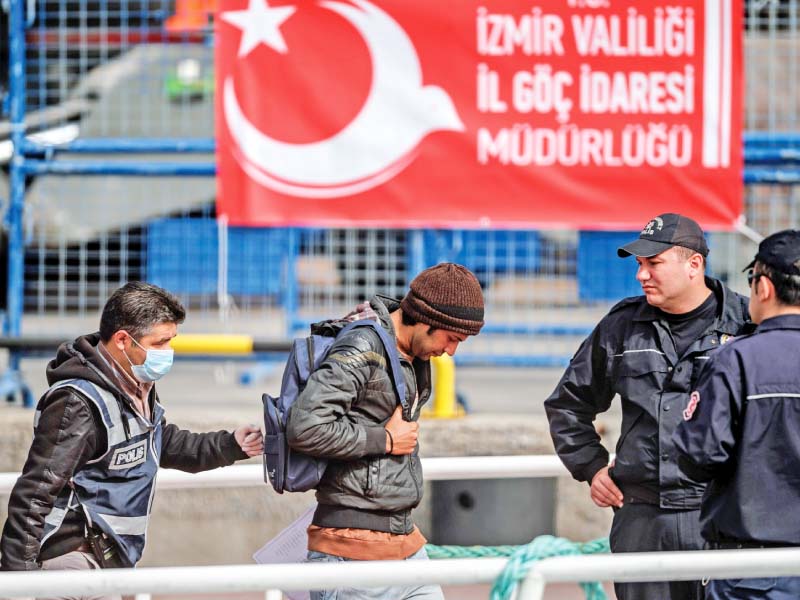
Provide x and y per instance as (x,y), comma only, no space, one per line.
(259,23)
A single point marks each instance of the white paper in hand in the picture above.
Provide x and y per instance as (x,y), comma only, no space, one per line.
(289,546)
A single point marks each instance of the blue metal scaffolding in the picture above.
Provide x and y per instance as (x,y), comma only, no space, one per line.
(771,158)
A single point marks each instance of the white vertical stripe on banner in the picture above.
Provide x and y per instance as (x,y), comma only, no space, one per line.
(726,74)
(711,88)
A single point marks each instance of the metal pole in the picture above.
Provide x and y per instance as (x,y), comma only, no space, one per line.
(532,587)
(436,469)
(291,289)
(672,566)
(223,298)
(416,251)
(12,380)
(13,218)
(249,578)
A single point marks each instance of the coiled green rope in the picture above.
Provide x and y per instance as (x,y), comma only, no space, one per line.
(523,557)
(469,551)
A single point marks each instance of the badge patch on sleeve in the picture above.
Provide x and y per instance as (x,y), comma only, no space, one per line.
(694,400)
(130,456)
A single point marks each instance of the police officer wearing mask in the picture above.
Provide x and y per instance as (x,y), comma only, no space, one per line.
(649,350)
(741,428)
(85,494)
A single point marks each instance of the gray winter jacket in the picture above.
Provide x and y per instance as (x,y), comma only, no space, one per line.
(341,415)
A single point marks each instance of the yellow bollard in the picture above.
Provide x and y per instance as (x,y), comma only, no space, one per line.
(444,389)
(192,343)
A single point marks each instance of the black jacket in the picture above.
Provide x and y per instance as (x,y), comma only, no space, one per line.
(340,416)
(743,435)
(631,353)
(68,434)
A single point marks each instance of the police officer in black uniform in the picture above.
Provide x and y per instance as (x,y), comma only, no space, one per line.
(649,350)
(742,426)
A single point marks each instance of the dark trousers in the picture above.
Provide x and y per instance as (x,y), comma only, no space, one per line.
(649,528)
(763,588)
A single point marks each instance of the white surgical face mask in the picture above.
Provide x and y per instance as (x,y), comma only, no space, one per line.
(155,365)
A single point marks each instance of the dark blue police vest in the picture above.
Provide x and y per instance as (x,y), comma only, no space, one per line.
(114,491)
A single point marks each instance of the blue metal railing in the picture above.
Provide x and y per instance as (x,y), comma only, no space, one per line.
(758,151)
(160,169)
(770,158)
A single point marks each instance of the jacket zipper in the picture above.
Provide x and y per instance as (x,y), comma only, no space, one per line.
(414,477)
(368,489)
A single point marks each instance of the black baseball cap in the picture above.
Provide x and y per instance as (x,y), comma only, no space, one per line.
(662,233)
(781,251)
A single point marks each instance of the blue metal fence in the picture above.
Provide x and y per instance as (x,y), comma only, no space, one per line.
(123,189)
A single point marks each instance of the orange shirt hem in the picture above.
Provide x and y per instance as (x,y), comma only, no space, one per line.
(364,544)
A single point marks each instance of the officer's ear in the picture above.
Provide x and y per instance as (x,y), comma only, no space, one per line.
(763,288)
(697,262)
(119,338)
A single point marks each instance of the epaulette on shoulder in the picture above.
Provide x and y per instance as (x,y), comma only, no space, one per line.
(733,339)
(625,303)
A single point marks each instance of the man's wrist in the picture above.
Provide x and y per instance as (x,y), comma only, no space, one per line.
(232,449)
(376,441)
(594,467)
(389,442)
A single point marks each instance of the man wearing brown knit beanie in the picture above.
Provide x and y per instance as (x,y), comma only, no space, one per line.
(349,414)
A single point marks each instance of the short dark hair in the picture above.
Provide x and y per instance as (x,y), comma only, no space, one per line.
(685,254)
(410,321)
(787,287)
(136,307)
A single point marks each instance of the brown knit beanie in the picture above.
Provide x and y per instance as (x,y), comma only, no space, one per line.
(447,296)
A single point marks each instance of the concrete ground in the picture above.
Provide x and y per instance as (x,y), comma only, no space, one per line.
(195,385)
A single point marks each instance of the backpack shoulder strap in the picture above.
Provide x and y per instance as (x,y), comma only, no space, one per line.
(395,369)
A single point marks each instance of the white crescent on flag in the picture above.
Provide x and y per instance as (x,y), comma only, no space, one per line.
(376,145)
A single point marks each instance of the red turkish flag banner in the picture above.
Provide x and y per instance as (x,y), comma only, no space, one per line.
(590,114)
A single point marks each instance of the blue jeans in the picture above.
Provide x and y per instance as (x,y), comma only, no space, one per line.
(763,588)
(411,592)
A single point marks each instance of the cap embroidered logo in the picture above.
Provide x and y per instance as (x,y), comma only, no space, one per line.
(657,223)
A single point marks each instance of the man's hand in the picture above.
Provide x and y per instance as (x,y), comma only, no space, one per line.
(604,491)
(401,436)
(250,440)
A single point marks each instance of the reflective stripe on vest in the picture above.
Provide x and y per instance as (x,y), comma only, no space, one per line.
(120,509)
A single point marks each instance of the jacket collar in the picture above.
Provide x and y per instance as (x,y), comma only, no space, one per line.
(730,309)
(383,305)
(136,391)
(80,359)
(780,322)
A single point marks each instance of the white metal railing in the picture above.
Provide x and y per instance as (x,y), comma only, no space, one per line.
(249,475)
(460,467)
(661,566)
(652,566)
